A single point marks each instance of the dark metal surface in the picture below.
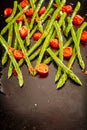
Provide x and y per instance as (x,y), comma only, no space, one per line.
(38,105)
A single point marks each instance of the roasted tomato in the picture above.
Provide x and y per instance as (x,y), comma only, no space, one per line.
(42,68)
(18,54)
(77,20)
(29,12)
(23,31)
(67,8)
(24,3)
(84,36)
(8,12)
(67,52)
(42,10)
(20,19)
(37,36)
(54,43)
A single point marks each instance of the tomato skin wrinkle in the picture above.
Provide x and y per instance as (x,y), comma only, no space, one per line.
(23,31)
(84,36)
(67,8)
(77,20)
(54,43)
(18,54)
(42,68)
(67,52)
(37,36)
(42,10)
(8,12)
(29,12)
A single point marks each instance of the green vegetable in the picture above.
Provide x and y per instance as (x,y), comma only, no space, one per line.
(49,59)
(43,49)
(64,77)
(77,47)
(10,35)
(13,60)
(47,10)
(65,68)
(10,69)
(35,13)
(59,34)
(22,47)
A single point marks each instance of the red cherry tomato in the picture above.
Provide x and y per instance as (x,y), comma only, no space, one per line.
(54,43)
(42,10)
(37,36)
(67,52)
(67,8)
(42,68)
(23,31)
(24,3)
(20,19)
(8,12)
(77,20)
(18,54)
(29,12)
(84,36)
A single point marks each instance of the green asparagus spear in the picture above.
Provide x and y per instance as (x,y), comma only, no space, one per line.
(58,30)
(43,49)
(81,62)
(65,68)
(22,47)
(10,35)
(13,60)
